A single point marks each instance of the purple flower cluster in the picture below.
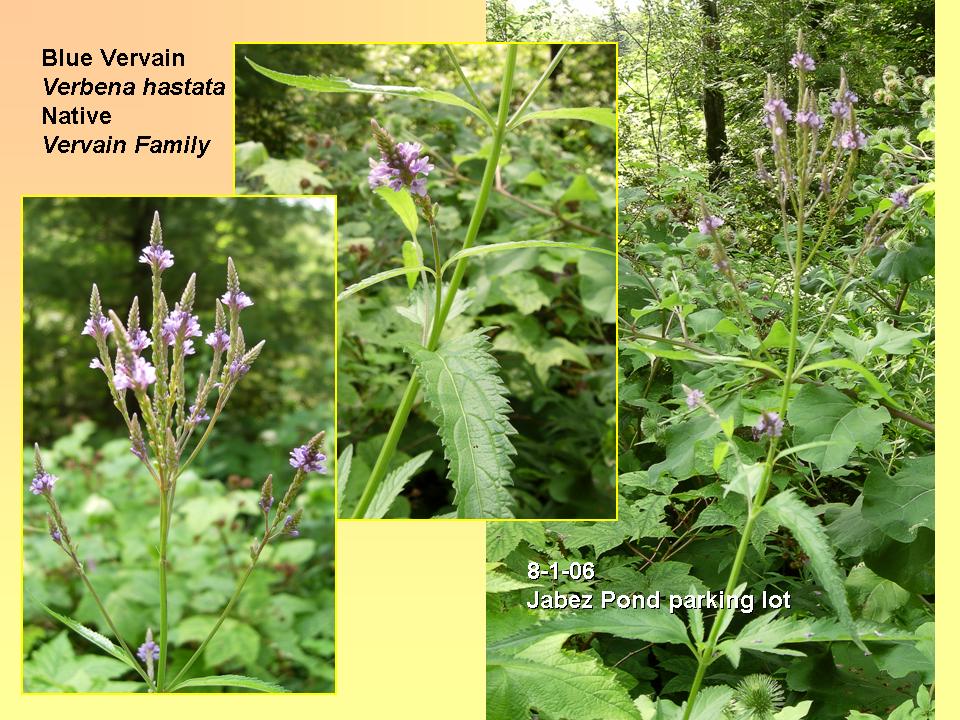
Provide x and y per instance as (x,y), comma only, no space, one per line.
(401,168)
(138,377)
(42,483)
(97,327)
(265,503)
(307,459)
(198,416)
(853,139)
(157,257)
(769,424)
(238,368)
(290,527)
(900,199)
(219,340)
(180,325)
(843,105)
(810,119)
(709,223)
(694,397)
(777,114)
(138,339)
(802,61)
(236,300)
(148,650)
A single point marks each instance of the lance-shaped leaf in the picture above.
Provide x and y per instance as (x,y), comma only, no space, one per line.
(461,384)
(102,642)
(333,84)
(600,116)
(240,681)
(393,484)
(802,522)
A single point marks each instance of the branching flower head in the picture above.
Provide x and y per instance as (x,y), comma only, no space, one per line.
(400,165)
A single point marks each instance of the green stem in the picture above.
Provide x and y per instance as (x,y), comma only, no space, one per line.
(223,616)
(468,86)
(164,528)
(706,654)
(389,447)
(536,88)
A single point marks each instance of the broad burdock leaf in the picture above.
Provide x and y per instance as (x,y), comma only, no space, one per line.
(710,702)
(504,538)
(284,177)
(393,484)
(822,413)
(901,504)
(556,684)
(461,384)
(801,520)
(333,84)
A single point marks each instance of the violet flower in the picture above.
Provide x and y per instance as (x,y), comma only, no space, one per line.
(900,199)
(769,424)
(42,483)
(236,300)
(694,397)
(157,257)
(308,459)
(219,340)
(709,223)
(802,61)
(97,327)
(401,167)
(137,378)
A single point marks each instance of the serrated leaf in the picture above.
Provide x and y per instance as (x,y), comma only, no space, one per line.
(101,641)
(710,702)
(393,484)
(824,414)
(240,681)
(901,504)
(802,522)
(461,384)
(334,84)
(556,684)
(503,538)
(600,116)
(402,204)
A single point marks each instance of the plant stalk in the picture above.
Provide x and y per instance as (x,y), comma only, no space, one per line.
(389,447)
(164,528)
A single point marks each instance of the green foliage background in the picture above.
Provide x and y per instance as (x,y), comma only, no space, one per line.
(552,313)
(282,628)
(678,529)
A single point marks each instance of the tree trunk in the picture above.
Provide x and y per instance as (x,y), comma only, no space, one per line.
(713,103)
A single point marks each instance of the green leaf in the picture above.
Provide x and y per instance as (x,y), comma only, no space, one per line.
(580,190)
(393,484)
(845,363)
(888,340)
(333,84)
(343,476)
(600,116)
(284,177)
(598,286)
(504,537)
(520,245)
(412,258)
(250,155)
(402,204)
(778,337)
(877,597)
(676,353)
(901,504)
(556,684)
(102,642)
(461,384)
(231,681)
(380,277)
(801,520)
(822,413)
(710,702)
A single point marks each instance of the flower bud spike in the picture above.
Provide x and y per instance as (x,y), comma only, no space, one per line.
(133,317)
(220,323)
(156,232)
(96,309)
(189,294)
(54,531)
(233,280)
(266,495)
(37,460)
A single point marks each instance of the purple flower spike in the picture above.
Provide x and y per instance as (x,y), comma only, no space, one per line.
(180,325)
(138,377)
(139,341)
(97,327)
(851,140)
(219,340)
(776,109)
(900,199)
(238,368)
(303,458)
(709,223)
(769,424)
(694,397)
(802,61)
(43,483)
(236,301)
(148,650)
(157,257)
(290,526)
(402,168)
(808,118)
(266,503)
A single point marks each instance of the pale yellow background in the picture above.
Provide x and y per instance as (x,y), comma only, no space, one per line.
(410,627)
